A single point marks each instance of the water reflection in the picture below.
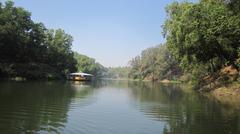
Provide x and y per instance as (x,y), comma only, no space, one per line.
(37,106)
(111,107)
(184,112)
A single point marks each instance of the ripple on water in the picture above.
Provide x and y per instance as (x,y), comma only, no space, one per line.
(82,102)
(110,110)
(159,112)
(31,118)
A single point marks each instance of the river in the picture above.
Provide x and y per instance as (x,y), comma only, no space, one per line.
(111,107)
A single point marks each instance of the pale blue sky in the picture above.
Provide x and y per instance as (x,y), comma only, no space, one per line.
(111,31)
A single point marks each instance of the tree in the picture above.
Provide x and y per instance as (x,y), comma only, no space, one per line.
(155,63)
(29,50)
(89,65)
(204,33)
(118,72)
(233,5)
(135,65)
(59,54)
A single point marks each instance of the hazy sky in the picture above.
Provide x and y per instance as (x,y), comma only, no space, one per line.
(111,31)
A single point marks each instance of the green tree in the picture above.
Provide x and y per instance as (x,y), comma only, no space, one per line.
(59,53)
(28,49)
(135,65)
(205,33)
(118,72)
(89,65)
(155,63)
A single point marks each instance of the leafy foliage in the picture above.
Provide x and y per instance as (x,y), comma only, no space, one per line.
(89,65)
(28,49)
(203,36)
(155,63)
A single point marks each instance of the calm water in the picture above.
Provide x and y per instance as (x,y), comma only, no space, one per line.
(110,107)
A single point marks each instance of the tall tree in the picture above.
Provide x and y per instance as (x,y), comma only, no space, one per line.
(28,49)
(60,55)
(89,65)
(203,33)
(155,63)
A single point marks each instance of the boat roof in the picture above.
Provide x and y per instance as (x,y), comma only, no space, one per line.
(83,74)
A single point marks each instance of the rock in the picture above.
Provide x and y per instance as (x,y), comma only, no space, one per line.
(165,81)
(229,72)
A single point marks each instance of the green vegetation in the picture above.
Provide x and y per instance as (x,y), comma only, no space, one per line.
(89,65)
(203,45)
(118,72)
(155,64)
(203,37)
(29,49)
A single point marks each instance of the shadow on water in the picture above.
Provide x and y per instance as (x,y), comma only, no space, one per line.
(92,107)
(185,112)
(39,107)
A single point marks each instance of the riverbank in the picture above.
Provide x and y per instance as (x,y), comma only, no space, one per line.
(226,91)
(165,81)
(225,94)
(229,95)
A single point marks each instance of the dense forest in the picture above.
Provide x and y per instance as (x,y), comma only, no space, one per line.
(30,50)
(203,45)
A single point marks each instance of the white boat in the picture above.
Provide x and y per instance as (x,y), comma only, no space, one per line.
(80,77)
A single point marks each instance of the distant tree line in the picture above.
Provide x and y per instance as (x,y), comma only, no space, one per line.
(118,72)
(89,65)
(203,39)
